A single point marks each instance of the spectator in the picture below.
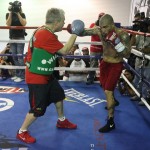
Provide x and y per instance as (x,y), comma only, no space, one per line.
(143,45)
(16,17)
(94,50)
(7,50)
(85,52)
(75,75)
(6,60)
(136,27)
(4,73)
(60,62)
(148,9)
(123,86)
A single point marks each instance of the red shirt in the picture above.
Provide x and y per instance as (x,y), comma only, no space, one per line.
(95,38)
(48,41)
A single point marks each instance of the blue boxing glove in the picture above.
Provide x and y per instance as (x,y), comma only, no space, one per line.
(113,39)
(77,27)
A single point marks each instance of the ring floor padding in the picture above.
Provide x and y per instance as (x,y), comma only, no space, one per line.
(84,105)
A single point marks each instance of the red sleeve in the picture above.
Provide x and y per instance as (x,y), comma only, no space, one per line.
(47,40)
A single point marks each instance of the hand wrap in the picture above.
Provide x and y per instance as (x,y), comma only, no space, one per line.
(113,39)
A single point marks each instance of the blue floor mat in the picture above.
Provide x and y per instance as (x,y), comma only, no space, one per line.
(84,105)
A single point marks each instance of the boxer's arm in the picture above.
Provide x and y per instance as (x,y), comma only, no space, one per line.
(126,42)
(91,31)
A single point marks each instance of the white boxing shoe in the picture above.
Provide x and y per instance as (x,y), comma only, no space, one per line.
(18,79)
(14,78)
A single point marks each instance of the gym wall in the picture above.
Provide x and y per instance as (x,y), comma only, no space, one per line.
(86,10)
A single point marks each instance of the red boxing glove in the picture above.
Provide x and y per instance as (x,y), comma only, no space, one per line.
(69,28)
(113,39)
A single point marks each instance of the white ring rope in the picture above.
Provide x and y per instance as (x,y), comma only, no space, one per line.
(140,54)
(11,67)
(56,68)
(137,93)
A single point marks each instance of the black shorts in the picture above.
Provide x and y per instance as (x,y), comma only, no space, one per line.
(42,95)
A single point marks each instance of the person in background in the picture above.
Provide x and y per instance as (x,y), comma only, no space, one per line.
(60,62)
(95,50)
(16,17)
(6,60)
(4,73)
(135,27)
(142,67)
(123,86)
(75,75)
(40,60)
(85,52)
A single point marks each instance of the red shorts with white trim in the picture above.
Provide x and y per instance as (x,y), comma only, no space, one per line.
(110,74)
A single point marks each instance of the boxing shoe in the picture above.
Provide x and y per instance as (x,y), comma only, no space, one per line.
(109,126)
(116,104)
(18,79)
(25,137)
(14,78)
(66,124)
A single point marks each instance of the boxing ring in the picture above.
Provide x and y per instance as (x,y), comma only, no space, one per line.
(84,105)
